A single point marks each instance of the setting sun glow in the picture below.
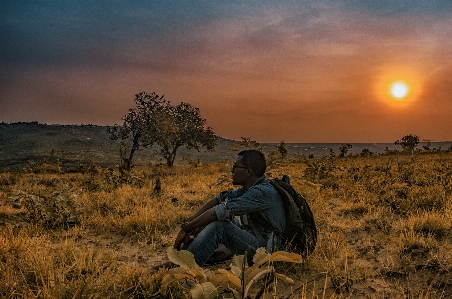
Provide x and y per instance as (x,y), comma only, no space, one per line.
(398,86)
(399,90)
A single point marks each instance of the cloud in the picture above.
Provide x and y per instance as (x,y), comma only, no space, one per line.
(263,68)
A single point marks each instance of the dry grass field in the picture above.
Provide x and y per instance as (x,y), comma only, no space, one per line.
(385,228)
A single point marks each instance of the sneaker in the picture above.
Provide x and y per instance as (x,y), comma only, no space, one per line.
(221,254)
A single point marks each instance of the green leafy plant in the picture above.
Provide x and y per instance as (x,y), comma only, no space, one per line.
(233,283)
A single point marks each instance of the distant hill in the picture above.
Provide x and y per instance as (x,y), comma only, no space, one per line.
(71,144)
(23,142)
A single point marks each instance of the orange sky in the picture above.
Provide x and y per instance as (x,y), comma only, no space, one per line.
(298,71)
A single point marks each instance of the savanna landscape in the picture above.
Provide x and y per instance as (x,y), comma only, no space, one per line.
(105,157)
(89,231)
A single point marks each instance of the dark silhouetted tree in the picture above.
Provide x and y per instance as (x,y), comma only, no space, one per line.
(427,146)
(344,149)
(251,144)
(366,153)
(155,121)
(277,155)
(282,149)
(182,125)
(139,126)
(408,142)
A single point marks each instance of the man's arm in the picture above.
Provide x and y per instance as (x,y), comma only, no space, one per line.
(205,218)
(208,205)
(184,234)
(183,237)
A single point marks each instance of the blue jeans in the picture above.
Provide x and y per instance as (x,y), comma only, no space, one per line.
(230,234)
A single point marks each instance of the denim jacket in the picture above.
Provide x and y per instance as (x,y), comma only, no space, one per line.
(260,208)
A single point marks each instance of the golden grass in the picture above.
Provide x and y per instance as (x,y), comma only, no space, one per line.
(385,229)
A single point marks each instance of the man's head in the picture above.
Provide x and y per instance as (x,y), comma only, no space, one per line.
(249,166)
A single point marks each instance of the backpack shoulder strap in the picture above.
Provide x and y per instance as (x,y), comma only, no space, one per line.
(290,206)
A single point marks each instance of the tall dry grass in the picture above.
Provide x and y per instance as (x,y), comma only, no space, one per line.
(384,228)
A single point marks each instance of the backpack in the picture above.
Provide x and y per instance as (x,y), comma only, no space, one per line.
(300,234)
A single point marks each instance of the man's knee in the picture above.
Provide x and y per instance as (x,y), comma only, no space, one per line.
(216,227)
(212,230)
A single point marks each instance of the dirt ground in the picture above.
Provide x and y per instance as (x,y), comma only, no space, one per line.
(399,283)
(408,282)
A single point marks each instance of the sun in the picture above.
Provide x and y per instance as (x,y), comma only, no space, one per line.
(398,86)
(399,90)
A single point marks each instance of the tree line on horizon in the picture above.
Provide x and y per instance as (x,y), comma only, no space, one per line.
(155,121)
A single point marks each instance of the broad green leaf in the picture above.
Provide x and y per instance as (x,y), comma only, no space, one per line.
(188,277)
(188,284)
(280,256)
(262,260)
(237,261)
(253,272)
(183,258)
(232,278)
(293,257)
(177,270)
(219,280)
(260,254)
(205,290)
(207,273)
(183,276)
(284,278)
(198,275)
(256,278)
(236,271)
(167,280)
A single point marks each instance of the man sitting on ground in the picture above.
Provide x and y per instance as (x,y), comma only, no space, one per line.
(258,204)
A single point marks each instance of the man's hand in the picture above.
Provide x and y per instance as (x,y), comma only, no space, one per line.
(182,240)
(188,228)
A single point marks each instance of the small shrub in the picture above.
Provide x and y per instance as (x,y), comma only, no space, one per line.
(319,169)
(59,210)
(44,166)
(91,185)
